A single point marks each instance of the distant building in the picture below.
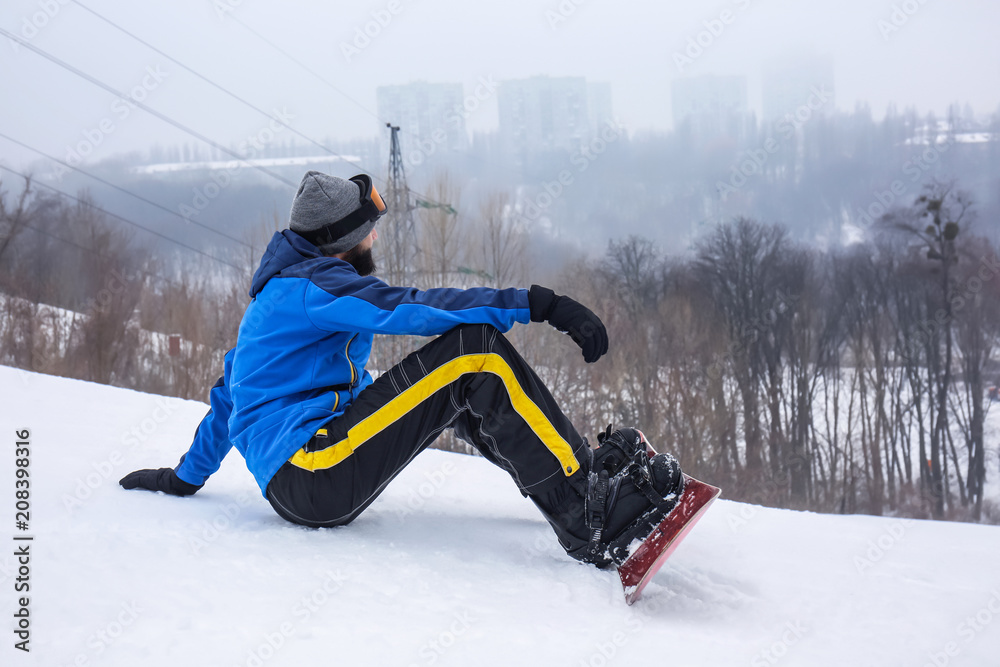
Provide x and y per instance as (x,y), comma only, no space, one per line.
(599,105)
(544,113)
(791,83)
(711,107)
(425,111)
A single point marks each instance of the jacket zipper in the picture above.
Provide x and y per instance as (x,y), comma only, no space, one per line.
(347,352)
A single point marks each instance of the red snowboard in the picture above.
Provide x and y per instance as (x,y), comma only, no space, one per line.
(649,556)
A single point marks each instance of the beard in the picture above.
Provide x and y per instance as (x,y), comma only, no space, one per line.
(361,260)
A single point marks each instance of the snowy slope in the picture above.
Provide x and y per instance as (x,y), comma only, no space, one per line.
(451,566)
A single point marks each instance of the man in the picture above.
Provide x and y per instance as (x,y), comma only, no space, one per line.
(323,439)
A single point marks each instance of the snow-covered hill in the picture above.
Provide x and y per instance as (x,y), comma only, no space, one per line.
(451,566)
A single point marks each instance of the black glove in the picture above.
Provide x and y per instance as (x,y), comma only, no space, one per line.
(565,314)
(159,479)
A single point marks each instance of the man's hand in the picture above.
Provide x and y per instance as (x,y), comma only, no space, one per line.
(159,479)
(568,316)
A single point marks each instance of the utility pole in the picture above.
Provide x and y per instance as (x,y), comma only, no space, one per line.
(400,242)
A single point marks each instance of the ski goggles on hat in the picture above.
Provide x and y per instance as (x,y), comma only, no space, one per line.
(372,208)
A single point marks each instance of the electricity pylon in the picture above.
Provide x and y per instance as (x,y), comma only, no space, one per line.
(400,243)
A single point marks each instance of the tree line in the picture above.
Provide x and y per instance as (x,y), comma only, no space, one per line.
(853,379)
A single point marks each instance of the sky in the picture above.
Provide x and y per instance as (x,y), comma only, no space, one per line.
(925,53)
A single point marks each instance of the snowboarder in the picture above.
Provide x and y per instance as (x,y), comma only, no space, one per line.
(323,439)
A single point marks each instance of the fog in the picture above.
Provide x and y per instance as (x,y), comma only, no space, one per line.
(923,53)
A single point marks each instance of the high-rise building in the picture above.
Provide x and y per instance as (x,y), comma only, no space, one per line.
(793,83)
(599,105)
(544,113)
(710,107)
(428,112)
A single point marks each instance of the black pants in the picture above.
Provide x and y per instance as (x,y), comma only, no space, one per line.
(470,379)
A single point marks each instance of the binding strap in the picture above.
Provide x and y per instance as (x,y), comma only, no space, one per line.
(641,478)
(597,498)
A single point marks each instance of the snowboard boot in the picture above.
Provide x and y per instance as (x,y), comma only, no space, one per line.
(629,492)
(618,496)
(616,449)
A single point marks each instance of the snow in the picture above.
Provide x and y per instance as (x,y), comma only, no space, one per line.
(234,165)
(451,566)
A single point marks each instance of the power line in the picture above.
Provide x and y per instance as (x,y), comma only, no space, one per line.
(144,107)
(50,235)
(216,85)
(186,129)
(131,194)
(305,67)
(382,121)
(125,220)
(324,80)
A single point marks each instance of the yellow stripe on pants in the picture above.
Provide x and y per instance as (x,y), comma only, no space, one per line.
(427,386)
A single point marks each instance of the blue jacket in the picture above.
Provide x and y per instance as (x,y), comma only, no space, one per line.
(300,356)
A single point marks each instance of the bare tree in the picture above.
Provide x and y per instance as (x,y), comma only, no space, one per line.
(105,346)
(977,324)
(498,243)
(14,219)
(740,265)
(438,236)
(934,220)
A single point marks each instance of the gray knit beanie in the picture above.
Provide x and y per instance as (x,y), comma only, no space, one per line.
(323,200)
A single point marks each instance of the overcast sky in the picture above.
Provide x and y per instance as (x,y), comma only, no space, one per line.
(927,53)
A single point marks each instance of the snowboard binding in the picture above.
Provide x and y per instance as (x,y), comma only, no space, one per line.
(616,449)
(626,472)
(631,509)
(630,490)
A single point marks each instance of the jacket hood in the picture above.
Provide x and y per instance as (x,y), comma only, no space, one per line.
(285,249)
